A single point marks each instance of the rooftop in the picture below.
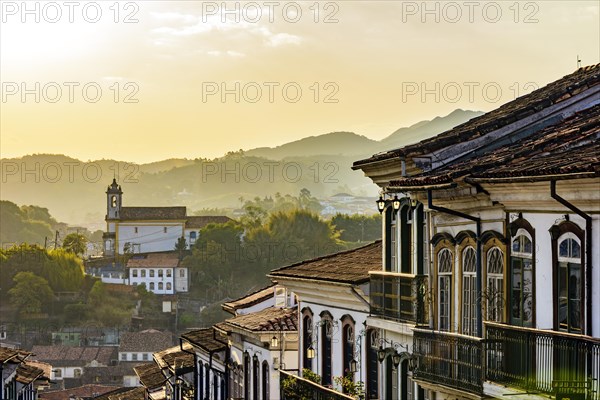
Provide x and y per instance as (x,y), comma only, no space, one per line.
(147,341)
(73,356)
(350,266)
(205,339)
(152,213)
(175,358)
(569,148)
(150,375)
(86,391)
(154,260)
(249,300)
(269,319)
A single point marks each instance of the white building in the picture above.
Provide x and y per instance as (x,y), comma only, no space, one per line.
(332,294)
(160,273)
(491,251)
(148,229)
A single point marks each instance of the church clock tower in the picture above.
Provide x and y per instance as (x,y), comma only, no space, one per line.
(114,195)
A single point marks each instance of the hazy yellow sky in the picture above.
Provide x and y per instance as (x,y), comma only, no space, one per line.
(149,80)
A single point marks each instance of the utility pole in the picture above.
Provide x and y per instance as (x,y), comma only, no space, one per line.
(45,242)
(55,239)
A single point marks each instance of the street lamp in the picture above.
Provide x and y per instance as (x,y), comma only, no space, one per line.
(310,352)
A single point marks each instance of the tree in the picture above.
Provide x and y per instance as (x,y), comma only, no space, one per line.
(75,243)
(30,292)
(181,246)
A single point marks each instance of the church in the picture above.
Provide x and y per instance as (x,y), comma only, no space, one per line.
(148,229)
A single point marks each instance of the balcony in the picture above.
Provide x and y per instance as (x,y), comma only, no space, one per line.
(535,360)
(449,359)
(294,387)
(399,297)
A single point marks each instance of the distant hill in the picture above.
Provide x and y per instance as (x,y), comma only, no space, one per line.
(73,190)
(333,143)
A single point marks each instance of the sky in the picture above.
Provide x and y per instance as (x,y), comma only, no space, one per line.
(150,80)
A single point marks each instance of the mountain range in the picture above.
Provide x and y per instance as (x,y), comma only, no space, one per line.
(73,190)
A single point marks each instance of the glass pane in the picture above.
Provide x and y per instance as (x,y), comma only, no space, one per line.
(515,244)
(516,289)
(562,295)
(575,249)
(527,291)
(469,260)
(495,261)
(527,247)
(563,248)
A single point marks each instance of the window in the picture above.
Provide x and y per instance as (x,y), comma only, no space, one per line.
(255,377)
(169,272)
(192,237)
(145,356)
(57,373)
(406,239)
(143,273)
(165,229)
(135,230)
(444,261)
(307,337)
(168,285)
(522,274)
(372,364)
(469,292)
(391,242)
(182,273)
(123,356)
(134,273)
(568,266)
(113,201)
(134,356)
(246,375)
(160,273)
(326,347)
(265,380)
(76,372)
(160,286)
(151,285)
(495,284)
(347,343)
(151,273)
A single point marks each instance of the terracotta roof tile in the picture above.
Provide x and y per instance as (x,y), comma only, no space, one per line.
(154,260)
(175,358)
(86,391)
(148,341)
(73,356)
(506,114)
(568,147)
(152,213)
(269,319)
(28,373)
(132,394)
(205,339)
(350,266)
(250,299)
(150,375)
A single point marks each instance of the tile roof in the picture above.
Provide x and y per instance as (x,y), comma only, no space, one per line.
(148,341)
(553,93)
(205,339)
(7,354)
(106,395)
(175,358)
(150,375)
(28,373)
(73,356)
(250,299)
(85,391)
(138,393)
(350,266)
(152,213)
(154,260)
(269,319)
(569,147)
(199,222)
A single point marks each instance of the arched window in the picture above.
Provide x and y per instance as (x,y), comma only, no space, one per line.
(348,338)
(406,238)
(444,283)
(255,377)
(160,286)
(247,382)
(495,284)
(168,285)
(469,292)
(391,245)
(307,337)
(522,274)
(372,364)
(265,380)
(568,264)
(326,347)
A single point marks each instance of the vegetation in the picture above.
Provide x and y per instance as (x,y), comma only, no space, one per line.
(358,228)
(75,243)
(30,292)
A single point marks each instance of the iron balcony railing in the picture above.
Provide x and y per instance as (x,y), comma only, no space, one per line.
(399,297)
(293,387)
(540,360)
(449,359)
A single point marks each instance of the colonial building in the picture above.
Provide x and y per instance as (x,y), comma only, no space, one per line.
(491,251)
(148,229)
(141,346)
(160,273)
(332,299)
(21,379)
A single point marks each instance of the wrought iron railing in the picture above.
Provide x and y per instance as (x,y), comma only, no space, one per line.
(293,387)
(533,359)
(399,297)
(449,359)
